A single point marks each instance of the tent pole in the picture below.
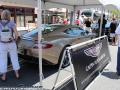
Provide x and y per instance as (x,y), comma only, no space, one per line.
(101,21)
(44,13)
(73,17)
(39,43)
(66,13)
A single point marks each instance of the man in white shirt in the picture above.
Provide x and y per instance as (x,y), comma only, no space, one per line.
(118,54)
(81,21)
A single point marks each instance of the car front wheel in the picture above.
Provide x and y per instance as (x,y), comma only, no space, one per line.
(66,59)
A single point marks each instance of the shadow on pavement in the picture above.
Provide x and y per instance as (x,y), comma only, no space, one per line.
(29,75)
(111,75)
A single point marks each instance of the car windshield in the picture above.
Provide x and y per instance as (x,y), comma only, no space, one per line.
(45,29)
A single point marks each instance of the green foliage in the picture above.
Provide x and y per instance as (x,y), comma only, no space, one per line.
(115,12)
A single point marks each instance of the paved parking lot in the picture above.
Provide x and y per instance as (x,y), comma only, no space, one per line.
(108,80)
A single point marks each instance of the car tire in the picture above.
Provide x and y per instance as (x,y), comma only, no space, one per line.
(66,59)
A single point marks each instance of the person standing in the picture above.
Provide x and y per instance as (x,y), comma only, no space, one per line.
(117,31)
(103,25)
(10,45)
(112,29)
(88,24)
(81,21)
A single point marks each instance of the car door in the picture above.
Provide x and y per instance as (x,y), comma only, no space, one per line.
(73,36)
(81,35)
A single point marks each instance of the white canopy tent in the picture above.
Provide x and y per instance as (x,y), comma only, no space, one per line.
(70,4)
(73,5)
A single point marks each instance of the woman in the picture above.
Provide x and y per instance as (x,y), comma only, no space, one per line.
(8,46)
(88,24)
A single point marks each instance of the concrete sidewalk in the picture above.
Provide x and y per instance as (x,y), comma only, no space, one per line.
(108,80)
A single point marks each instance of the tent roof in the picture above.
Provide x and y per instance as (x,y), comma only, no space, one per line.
(78,4)
(70,4)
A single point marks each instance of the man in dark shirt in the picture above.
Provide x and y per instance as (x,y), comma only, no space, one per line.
(1,9)
(103,25)
(88,24)
(112,29)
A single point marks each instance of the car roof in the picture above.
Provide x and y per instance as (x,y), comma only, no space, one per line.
(62,25)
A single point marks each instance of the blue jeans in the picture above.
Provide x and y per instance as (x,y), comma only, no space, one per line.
(118,60)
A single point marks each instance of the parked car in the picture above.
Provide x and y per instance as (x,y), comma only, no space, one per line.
(55,39)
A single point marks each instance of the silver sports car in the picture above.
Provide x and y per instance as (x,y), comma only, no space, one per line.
(55,39)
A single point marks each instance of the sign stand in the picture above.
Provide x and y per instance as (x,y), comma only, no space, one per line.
(103,60)
(72,69)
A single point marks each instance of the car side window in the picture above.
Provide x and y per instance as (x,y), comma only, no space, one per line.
(78,31)
(48,29)
(69,31)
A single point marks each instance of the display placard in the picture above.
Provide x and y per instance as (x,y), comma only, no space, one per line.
(89,61)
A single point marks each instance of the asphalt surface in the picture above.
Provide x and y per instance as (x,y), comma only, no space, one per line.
(29,72)
(108,80)
(29,75)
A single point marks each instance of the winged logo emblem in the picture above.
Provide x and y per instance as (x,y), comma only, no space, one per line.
(93,51)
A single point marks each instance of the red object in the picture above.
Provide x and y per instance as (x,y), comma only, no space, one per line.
(65,22)
(54,22)
(77,21)
(44,46)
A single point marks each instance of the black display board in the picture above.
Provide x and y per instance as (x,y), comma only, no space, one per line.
(89,61)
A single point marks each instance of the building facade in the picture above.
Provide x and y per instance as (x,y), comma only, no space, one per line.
(21,15)
(25,16)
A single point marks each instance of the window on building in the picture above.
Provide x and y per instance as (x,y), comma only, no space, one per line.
(20,20)
(19,10)
(29,18)
(21,15)
(29,10)
(29,13)
(12,10)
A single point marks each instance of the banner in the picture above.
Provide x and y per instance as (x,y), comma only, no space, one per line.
(89,61)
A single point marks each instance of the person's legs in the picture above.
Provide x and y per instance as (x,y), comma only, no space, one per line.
(116,41)
(102,32)
(118,61)
(112,35)
(3,60)
(14,58)
(3,76)
(112,41)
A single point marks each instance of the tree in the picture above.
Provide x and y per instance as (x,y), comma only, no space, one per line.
(115,12)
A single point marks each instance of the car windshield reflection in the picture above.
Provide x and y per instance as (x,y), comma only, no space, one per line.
(51,28)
